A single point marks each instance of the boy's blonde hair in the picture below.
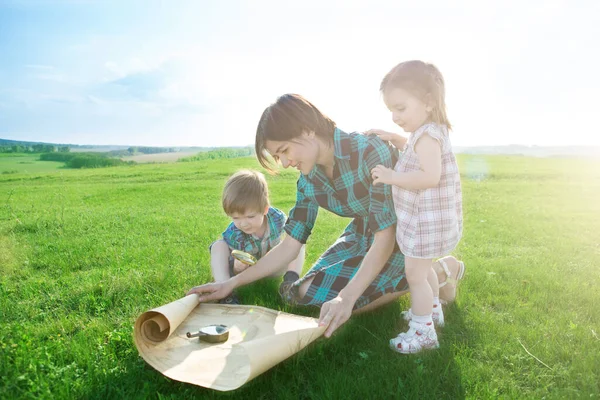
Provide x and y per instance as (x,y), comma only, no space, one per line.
(424,81)
(246,190)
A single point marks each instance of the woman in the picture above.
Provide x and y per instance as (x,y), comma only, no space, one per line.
(364,268)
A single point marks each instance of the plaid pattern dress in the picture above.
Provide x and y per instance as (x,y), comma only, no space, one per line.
(430,220)
(351,193)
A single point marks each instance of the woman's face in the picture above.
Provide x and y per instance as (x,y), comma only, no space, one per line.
(301,153)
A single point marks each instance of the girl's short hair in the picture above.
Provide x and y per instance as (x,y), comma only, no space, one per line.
(244,191)
(285,120)
(424,81)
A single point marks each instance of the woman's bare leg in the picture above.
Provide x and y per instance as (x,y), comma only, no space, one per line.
(304,287)
(383,300)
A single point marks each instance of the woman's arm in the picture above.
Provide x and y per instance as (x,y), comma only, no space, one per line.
(375,259)
(382,221)
(282,254)
(336,312)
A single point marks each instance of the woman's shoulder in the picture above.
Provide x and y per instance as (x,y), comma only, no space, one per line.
(361,145)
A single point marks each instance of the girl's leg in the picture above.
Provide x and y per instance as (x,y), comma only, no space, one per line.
(421,334)
(434,283)
(417,271)
(437,313)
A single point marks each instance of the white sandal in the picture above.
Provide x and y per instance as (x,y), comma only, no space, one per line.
(418,338)
(449,294)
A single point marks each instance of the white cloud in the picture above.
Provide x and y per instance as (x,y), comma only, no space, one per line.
(516,72)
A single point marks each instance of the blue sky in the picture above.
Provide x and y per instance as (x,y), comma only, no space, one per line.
(200,73)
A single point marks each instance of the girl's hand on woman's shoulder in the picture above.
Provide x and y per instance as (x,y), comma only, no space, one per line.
(396,139)
(383,135)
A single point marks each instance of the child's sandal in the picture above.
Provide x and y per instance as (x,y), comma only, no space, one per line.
(418,338)
(449,288)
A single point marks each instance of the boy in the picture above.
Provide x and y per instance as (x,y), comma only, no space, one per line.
(256,229)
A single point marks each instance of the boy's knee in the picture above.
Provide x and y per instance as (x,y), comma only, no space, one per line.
(219,246)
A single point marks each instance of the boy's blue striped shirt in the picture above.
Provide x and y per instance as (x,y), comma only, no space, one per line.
(236,239)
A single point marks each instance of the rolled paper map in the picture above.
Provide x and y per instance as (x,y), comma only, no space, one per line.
(160,337)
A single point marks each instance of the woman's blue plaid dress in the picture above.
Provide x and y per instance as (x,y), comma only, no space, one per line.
(352,194)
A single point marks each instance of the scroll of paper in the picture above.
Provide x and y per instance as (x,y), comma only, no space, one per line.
(259,338)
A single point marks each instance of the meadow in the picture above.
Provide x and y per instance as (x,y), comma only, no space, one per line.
(84,252)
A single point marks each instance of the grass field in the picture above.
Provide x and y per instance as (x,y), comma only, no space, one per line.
(159,157)
(26,164)
(84,252)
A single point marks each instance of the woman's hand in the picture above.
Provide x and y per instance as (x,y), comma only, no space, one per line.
(381,174)
(335,313)
(239,267)
(212,291)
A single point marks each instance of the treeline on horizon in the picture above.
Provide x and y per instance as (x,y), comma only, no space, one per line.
(97,159)
(51,148)
(220,153)
(84,160)
(33,149)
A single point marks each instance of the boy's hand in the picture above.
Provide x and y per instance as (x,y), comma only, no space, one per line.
(381,174)
(212,291)
(239,267)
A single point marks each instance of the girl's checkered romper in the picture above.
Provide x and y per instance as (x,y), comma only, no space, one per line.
(430,220)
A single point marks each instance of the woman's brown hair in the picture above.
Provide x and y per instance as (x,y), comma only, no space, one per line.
(286,120)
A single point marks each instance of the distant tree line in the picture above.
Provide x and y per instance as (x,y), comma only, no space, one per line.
(35,148)
(221,153)
(150,150)
(84,160)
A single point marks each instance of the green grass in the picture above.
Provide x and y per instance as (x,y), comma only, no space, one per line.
(84,252)
(14,164)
